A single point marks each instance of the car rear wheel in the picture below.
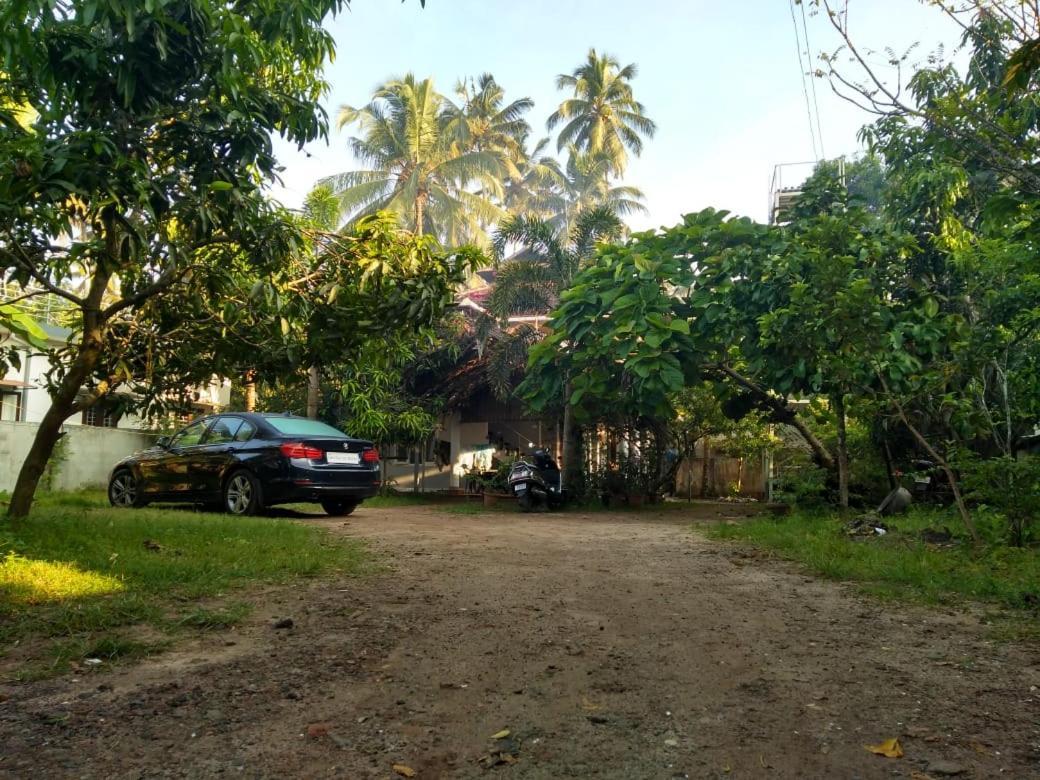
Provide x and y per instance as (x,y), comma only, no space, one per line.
(339,508)
(242,494)
(124,490)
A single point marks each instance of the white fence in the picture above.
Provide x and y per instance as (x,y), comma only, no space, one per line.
(84,459)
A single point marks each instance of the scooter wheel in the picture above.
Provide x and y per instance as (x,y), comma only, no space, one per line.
(525,502)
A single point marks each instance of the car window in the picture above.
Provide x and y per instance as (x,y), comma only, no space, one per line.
(191,435)
(298,426)
(223,430)
(245,433)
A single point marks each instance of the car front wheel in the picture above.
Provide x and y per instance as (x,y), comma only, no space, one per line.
(339,508)
(124,490)
(242,494)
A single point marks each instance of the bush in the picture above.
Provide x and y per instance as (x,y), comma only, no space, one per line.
(800,480)
(1007,491)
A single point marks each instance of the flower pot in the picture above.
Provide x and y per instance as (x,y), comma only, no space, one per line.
(492,499)
(636,500)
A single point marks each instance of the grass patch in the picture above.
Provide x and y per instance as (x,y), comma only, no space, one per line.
(210,619)
(898,564)
(77,569)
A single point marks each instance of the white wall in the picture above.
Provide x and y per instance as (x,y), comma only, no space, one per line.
(89,455)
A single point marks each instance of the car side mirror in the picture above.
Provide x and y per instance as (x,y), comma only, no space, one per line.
(163,442)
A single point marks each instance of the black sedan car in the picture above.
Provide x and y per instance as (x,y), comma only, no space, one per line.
(244,462)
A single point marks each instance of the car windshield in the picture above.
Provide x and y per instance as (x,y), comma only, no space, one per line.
(297,426)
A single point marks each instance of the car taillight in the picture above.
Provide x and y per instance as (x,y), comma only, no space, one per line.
(299,450)
(370,456)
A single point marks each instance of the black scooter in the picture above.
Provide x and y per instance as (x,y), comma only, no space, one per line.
(535,481)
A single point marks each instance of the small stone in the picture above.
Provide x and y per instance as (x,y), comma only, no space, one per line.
(946,768)
(284,623)
(671,743)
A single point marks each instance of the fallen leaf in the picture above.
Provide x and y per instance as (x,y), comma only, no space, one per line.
(501,734)
(404,771)
(315,730)
(978,747)
(590,706)
(920,776)
(890,748)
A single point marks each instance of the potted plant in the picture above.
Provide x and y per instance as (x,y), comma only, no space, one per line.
(496,485)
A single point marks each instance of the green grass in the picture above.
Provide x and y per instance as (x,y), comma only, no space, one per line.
(898,564)
(78,571)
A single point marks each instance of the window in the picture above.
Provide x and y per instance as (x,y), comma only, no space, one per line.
(10,406)
(245,433)
(223,430)
(100,417)
(297,426)
(191,435)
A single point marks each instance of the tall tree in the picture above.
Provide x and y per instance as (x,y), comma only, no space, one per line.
(602,116)
(534,281)
(418,169)
(536,187)
(483,121)
(152,126)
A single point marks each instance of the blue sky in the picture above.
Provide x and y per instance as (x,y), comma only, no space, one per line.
(719,77)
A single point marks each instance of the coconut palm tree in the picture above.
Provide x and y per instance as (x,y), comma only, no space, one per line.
(538,185)
(602,116)
(483,121)
(586,187)
(415,167)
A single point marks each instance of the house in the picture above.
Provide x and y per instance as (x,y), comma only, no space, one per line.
(477,429)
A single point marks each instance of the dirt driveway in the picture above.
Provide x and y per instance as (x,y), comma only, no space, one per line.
(616,646)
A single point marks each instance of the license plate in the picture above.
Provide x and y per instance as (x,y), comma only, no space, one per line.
(351,458)
(518,488)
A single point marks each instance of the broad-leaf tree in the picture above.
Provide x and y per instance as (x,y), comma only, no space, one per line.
(153,130)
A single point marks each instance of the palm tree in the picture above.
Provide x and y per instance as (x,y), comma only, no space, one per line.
(602,117)
(532,281)
(416,168)
(537,187)
(483,121)
(587,186)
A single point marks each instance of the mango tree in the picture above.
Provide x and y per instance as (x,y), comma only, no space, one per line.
(143,166)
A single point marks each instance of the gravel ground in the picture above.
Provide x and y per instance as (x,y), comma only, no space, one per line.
(606,645)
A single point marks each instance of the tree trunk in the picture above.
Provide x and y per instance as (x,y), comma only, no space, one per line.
(47,436)
(420,211)
(249,389)
(571,445)
(886,453)
(843,451)
(63,402)
(785,416)
(706,452)
(313,391)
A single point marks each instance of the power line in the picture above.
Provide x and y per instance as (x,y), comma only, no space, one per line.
(812,80)
(801,70)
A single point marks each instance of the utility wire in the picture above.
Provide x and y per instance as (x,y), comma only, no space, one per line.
(812,80)
(801,70)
